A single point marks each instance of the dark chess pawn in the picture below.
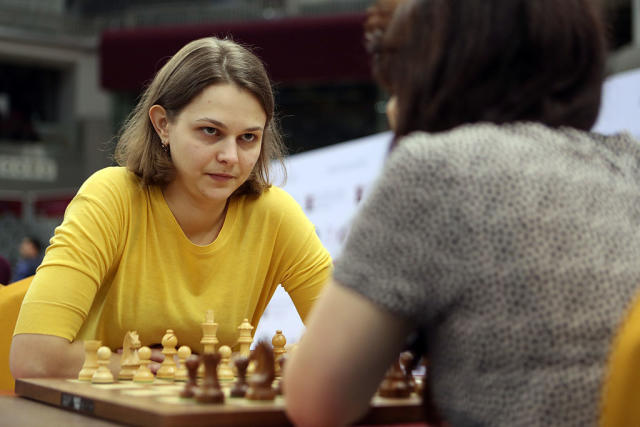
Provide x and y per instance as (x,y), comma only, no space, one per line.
(239,388)
(210,391)
(281,361)
(192,363)
(394,383)
(409,362)
(264,374)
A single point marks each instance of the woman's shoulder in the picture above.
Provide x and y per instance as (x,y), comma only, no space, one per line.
(272,197)
(114,184)
(113,174)
(273,205)
(513,145)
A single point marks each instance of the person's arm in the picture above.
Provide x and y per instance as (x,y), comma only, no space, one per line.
(62,292)
(40,356)
(305,264)
(340,361)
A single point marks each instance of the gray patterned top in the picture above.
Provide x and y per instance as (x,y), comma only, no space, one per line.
(516,248)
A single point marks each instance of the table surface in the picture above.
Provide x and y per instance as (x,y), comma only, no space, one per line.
(19,411)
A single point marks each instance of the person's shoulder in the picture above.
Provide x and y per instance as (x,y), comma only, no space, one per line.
(273,204)
(271,197)
(113,175)
(480,145)
(466,137)
(114,182)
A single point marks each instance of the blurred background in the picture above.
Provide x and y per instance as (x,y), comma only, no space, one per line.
(71,70)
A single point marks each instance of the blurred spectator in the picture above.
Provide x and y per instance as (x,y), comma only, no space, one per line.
(5,271)
(30,258)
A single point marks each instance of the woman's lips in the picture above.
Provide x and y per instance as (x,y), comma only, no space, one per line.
(220,176)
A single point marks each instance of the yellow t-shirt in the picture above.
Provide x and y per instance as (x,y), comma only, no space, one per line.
(120,262)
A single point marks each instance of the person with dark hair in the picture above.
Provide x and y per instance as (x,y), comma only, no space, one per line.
(501,228)
(30,258)
(188,222)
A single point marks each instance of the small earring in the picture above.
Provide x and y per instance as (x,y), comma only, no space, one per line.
(165,147)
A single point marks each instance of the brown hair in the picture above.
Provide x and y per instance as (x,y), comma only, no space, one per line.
(196,66)
(451,62)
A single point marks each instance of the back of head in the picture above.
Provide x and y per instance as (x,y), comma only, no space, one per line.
(193,68)
(451,62)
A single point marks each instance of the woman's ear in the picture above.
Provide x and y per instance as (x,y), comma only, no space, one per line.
(392,112)
(160,121)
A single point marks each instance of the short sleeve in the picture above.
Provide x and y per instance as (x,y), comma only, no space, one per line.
(80,255)
(306,263)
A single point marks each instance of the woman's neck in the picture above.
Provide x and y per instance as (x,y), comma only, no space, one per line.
(201,224)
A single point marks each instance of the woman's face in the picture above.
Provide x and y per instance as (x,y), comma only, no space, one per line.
(215,142)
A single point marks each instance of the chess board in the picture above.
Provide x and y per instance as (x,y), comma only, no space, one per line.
(159,404)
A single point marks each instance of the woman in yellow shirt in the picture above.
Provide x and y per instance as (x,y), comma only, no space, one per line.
(188,222)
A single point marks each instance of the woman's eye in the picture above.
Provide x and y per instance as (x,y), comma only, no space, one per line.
(210,131)
(248,137)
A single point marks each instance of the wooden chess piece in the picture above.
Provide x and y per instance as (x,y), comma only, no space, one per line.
(244,338)
(280,362)
(225,372)
(264,374)
(144,374)
(191,386)
(278,341)
(394,384)
(409,362)
(209,391)
(130,361)
(209,339)
(90,360)
(181,371)
(167,370)
(103,375)
(239,388)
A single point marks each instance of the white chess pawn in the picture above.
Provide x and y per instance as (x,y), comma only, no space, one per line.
(278,341)
(103,375)
(225,372)
(244,337)
(167,370)
(181,371)
(90,360)
(144,374)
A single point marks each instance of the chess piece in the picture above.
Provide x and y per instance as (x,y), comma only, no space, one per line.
(143,374)
(278,341)
(191,386)
(239,388)
(244,338)
(409,362)
(264,374)
(209,391)
(209,339)
(90,360)
(167,370)
(225,372)
(280,362)
(209,329)
(103,375)
(181,371)
(130,361)
(394,384)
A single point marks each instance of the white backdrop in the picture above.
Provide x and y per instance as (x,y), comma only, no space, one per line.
(329,182)
(620,109)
